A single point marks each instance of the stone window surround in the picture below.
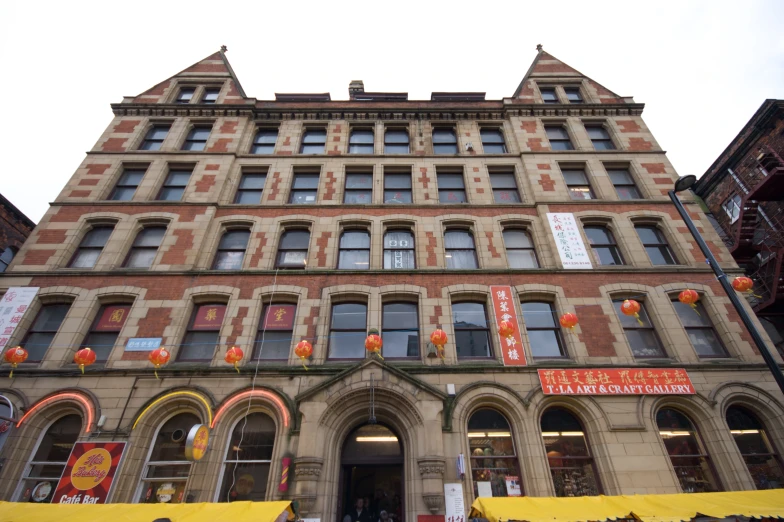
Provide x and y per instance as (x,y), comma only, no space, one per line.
(116,172)
(590,174)
(556,297)
(139,223)
(199,85)
(191,124)
(469,225)
(136,140)
(74,240)
(527,224)
(161,180)
(633,168)
(672,239)
(558,85)
(606,124)
(218,228)
(607,220)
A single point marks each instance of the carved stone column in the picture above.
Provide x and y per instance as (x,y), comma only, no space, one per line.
(307,471)
(431,469)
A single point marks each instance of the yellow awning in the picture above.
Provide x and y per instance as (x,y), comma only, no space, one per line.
(649,508)
(206,512)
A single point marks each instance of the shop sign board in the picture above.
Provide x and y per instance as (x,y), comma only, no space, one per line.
(13,305)
(143,344)
(197,442)
(89,473)
(616,381)
(453,500)
(511,347)
(568,240)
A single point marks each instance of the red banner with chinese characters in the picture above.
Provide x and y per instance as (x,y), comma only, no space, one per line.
(89,473)
(617,381)
(113,318)
(209,317)
(511,347)
(279,317)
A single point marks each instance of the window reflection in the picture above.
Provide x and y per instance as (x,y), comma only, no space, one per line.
(761,458)
(494,467)
(690,461)
(571,464)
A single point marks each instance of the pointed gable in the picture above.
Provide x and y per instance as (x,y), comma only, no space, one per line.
(547,69)
(214,69)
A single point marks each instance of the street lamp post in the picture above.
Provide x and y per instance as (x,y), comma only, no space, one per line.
(685,183)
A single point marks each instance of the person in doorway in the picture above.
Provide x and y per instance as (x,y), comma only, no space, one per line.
(381,502)
(372,514)
(359,514)
(383,516)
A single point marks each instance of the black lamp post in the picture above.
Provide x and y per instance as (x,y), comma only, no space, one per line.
(685,183)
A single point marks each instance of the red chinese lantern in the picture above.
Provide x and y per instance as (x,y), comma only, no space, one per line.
(303,350)
(689,297)
(84,357)
(233,356)
(506,328)
(742,284)
(373,342)
(15,356)
(439,339)
(631,307)
(568,321)
(158,358)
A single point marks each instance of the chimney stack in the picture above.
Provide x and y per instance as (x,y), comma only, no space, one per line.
(354,88)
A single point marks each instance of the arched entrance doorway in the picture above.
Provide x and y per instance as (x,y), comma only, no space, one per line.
(371,468)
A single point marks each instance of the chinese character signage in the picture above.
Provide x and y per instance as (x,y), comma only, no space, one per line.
(279,317)
(112,319)
(89,473)
(209,317)
(13,305)
(511,347)
(617,381)
(143,344)
(569,241)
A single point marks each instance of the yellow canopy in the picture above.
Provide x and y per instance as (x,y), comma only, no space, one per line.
(206,512)
(649,508)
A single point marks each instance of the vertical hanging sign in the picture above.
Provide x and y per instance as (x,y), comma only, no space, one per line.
(13,305)
(568,241)
(503,305)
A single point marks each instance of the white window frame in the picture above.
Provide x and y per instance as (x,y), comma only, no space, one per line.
(732,207)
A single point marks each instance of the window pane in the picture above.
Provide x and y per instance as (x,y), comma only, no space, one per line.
(150,237)
(248,197)
(538,315)
(691,318)
(193,145)
(705,342)
(360,149)
(400,316)
(506,196)
(266,136)
(458,239)
(629,321)
(228,260)
(347,345)
(123,193)
(262,149)
(573,94)
(517,239)
(235,240)
(599,236)
(36,345)
(399,259)
(627,192)
(355,239)
(358,197)
(58,441)
(101,343)
(359,181)
(141,258)
(603,145)
(395,149)
(644,343)
(303,197)
(199,345)
(556,132)
(548,94)
(171,194)
(400,344)
(315,136)
(253,181)
(276,345)
(491,136)
(472,343)
(200,133)
(575,177)
(294,239)
(361,136)
(499,181)
(306,181)
(97,237)
(597,133)
(620,177)
(313,149)
(347,316)
(399,239)
(461,259)
(561,145)
(397,196)
(608,255)
(85,258)
(354,260)
(178,178)
(397,181)
(443,135)
(131,177)
(451,196)
(396,136)
(492,148)
(650,235)
(158,132)
(444,148)
(544,343)
(50,317)
(292,258)
(660,255)
(469,315)
(522,259)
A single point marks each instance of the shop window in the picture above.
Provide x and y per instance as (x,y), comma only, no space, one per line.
(492,141)
(624,184)
(145,247)
(313,141)
(520,252)
(275,333)
(504,187)
(231,250)
(569,455)
(603,244)
(690,460)
(360,141)
(472,333)
(43,330)
(756,448)
(396,141)
(495,470)
(347,331)
(544,332)
(105,330)
(399,250)
(174,186)
(248,458)
(203,333)
(400,330)
(197,138)
(304,189)
(153,140)
(700,329)
(91,247)
(642,337)
(293,249)
(264,141)
(656,246)
(460,249)
(127,184)
(359,188)
(444,140)
(166,470)
(354,250)
(397,188)
(451,188)
(250,189)
(48,461)
(577,184)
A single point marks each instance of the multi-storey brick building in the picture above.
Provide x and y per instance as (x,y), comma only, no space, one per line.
(14,229)
(203,219)
(744,192)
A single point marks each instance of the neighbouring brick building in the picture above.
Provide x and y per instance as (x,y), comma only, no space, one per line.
(203,219)
(14,229)
(744,191)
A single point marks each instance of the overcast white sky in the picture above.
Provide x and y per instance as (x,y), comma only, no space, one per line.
(701,68)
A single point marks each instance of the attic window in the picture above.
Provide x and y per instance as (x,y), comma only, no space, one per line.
(548,94)
(185,95)
(210,95)
(573,94)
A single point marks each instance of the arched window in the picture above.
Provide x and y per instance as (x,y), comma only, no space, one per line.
(603,244)
(91,247)
(756,448)
(48,460)
(6,257)
(248,456)
(520,252)
(354,250)
(231,250)
(494,465)
(399,249)
(687,454)
(460,249)
(166,470)
(293,249)
(571,464)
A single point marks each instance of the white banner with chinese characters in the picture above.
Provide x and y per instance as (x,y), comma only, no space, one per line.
(569,241)
(13,305)
(503,305)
